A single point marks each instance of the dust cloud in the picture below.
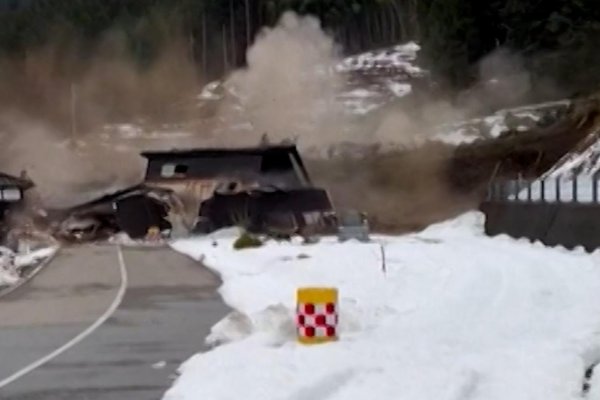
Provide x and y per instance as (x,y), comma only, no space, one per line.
(65,172)
(55,102)
(502,81)
(288,89)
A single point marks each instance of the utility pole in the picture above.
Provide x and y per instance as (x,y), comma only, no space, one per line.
(232,26)
(225,58)
(74,134)
(204,45)
(248,30)
(383,262)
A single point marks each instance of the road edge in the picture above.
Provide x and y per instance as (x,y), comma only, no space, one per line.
(82,335)
(29,276)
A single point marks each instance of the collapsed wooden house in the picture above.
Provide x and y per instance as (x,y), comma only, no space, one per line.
(265,189)
(261,188)
(12,194)
(12,191)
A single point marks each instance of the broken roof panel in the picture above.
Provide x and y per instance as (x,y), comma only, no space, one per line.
(214,163)
(9,180)
(105,202)
(221,152)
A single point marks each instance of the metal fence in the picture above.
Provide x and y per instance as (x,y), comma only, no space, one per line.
(576,189)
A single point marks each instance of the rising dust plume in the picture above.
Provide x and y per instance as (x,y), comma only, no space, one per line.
(288,91)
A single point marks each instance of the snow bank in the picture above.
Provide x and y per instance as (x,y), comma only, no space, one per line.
(594,393)
(11,264)
(8,272)
(33,257)
(456,315)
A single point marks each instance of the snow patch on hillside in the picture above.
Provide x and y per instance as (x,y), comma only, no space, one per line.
(372,79)
(401,57)
(496,124)
(455,315)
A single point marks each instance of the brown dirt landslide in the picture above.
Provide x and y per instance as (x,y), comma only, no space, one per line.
(406,190)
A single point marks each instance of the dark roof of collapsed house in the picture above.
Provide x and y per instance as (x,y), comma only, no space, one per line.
(111,197)
(9,180)
(270,154)
(223,152)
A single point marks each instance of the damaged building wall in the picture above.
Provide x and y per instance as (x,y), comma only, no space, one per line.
(206,189)
(232,186)
(279,212)
(278,166)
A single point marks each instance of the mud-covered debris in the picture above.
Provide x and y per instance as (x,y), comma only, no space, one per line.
(137,211)
(262,189)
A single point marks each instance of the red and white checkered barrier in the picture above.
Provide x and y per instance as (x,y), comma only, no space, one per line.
(316,315)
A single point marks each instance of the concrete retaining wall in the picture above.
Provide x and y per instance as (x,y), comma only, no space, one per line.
(566,224)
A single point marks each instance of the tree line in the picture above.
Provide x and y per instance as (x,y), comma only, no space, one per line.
(556,38)
(218,32)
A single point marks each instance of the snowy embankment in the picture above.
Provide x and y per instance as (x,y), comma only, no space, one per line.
(455,315)
(12,264)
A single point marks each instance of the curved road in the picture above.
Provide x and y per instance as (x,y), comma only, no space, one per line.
(169,305)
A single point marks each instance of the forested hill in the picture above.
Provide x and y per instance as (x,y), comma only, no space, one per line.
(557,39)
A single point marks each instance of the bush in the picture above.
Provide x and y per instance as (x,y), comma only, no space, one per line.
(247,241)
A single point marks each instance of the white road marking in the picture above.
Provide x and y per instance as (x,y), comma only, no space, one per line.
(103,318)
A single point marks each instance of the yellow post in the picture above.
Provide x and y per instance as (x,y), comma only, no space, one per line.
(316,315)
(153,233)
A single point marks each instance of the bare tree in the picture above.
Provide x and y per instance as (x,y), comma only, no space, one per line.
(248,27)
(225,55)
(204,45)
(232,33)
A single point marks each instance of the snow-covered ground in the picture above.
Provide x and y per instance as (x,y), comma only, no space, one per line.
(455,315)
(12,264)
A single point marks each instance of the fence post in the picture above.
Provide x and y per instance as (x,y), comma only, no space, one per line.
(529,190)
(594,189)
(574,188)
(558,189)
(543,190)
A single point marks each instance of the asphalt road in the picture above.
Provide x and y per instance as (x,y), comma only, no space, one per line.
(169,305)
